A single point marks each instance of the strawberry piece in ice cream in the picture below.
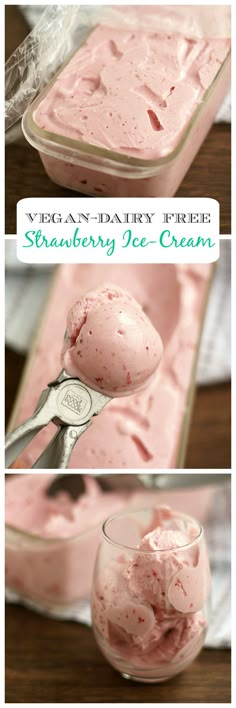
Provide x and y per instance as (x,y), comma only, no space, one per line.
(110,343)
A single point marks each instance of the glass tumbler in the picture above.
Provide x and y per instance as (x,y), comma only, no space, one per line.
(150,593)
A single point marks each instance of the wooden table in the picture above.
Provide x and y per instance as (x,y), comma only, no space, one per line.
(209,175)
(48,661)
(210,431)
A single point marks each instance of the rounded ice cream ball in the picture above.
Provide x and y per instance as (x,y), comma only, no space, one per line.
(110,343)
(134,617)
(114,607)
(152,571)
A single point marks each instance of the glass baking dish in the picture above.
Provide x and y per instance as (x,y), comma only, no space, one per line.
(98,171)
(53,567)
(175,298)
(68,563)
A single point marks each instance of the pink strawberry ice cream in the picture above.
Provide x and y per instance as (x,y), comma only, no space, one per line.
(143,430)
(52,545)
(29,508)
(131,91)
(129,111)
(110,343)
(148,605)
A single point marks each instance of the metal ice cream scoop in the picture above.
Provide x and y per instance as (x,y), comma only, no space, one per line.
(71,406)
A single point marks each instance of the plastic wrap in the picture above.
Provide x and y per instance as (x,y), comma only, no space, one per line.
(36,60)
(62,28)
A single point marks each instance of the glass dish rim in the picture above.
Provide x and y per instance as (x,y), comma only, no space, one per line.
(88,149)
(130,511)
(35,538)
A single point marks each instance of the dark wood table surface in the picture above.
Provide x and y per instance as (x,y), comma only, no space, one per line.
(49,661)
(209,443)
(208,176)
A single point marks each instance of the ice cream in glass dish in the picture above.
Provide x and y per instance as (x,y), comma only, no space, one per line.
(127,113)
(150,592)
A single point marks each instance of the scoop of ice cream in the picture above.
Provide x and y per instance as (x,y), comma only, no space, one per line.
(173,574)
(175,642)
(135,618)
(110,343)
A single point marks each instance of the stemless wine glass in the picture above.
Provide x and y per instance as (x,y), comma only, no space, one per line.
(150,591)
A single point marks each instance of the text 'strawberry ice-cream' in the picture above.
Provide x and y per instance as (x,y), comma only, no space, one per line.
(148,602)
(130,91)
(110,343)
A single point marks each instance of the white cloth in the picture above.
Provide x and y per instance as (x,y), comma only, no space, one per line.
(27,290)
(32,13)
(218,536)
(224,114)
(214,364)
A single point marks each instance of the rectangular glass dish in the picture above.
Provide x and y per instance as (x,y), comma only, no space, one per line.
(144,431)
(92,148)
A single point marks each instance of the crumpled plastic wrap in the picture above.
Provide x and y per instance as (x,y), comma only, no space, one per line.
(37,59)
(62,28)
(57,34)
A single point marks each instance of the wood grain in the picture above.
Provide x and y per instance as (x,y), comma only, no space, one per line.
(51,661)
(209,443)
(16,29)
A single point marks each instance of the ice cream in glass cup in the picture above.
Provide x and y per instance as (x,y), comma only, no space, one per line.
(150,593)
